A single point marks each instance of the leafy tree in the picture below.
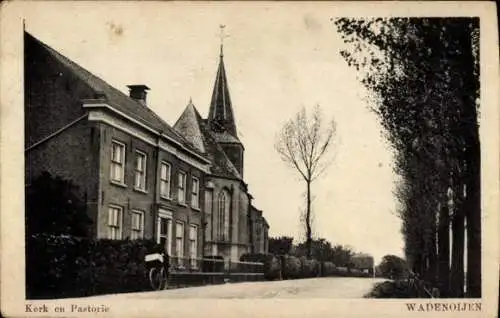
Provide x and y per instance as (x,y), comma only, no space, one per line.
(280,245)
(322,250)
(53,206)
(425,78)
(342,256)
(392,267)
(303,144)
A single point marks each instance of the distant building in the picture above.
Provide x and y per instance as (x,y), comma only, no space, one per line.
(260,232)
(139,177)
(364,262)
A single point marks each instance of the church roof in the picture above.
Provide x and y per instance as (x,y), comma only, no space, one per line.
(197,132)
(115,97)
(221,115)
(225,137)
(188,126)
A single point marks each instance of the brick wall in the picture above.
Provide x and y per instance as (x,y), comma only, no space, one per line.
(149,201)
(52,101)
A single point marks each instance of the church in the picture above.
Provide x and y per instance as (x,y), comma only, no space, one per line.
(234,225)
(139,177)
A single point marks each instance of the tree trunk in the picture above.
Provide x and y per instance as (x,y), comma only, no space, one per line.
(444,250)
(473,164)
(308,221)
(457,253)
(473,214)
(433,256)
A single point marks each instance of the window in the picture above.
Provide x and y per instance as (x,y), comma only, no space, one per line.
(164,229)
(181,195)
(137,225)
(165,171)
(115,223)
(117,162)
(208,211)
(179,241)
(195,194)
(223,215)
(140,171)
(193,244)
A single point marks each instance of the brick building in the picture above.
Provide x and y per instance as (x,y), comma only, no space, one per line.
(139,176)
(260,239)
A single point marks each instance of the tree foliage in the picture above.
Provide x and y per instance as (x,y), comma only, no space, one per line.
(323,251)
(53,206)
(303,143)
(424,76)
(280,245)
(392,266)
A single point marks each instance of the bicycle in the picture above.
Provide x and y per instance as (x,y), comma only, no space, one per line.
(157,273)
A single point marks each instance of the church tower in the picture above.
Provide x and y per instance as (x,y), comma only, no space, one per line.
(221,118)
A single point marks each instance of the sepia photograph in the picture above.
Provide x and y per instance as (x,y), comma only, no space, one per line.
(182,153)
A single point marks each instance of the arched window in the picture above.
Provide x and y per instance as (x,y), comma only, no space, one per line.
(223,215)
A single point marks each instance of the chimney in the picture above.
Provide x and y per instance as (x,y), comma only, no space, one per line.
(139,93)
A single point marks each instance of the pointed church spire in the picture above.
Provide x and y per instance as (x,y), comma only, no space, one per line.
(220,115)
(222,36)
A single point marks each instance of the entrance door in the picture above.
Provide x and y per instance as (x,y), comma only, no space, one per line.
(164,230)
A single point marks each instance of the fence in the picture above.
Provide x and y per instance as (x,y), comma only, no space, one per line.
(214,265)
(186,271)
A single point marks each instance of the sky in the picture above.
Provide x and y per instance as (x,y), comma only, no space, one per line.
(278,59)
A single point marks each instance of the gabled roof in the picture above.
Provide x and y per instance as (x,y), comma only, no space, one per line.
(220,115)
(265,222)
(259,215)
(115,97)
(196,129)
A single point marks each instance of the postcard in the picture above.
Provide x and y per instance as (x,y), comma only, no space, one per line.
(249,159)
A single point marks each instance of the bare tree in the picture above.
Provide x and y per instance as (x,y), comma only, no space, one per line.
(303,144)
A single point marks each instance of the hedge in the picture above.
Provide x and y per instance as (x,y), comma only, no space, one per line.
(291,267)
(63,266)
(327,268)
(310,268)
(341,271)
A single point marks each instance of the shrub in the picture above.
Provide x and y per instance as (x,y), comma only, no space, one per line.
(272,264)
(64,266)
(121,263)
(355,272)
(53,266)
(315,268)
(309,268)
(291,267)
(327,269)
(341,271)
(393,289)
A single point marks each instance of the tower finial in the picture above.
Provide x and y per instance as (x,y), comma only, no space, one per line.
(222,36)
